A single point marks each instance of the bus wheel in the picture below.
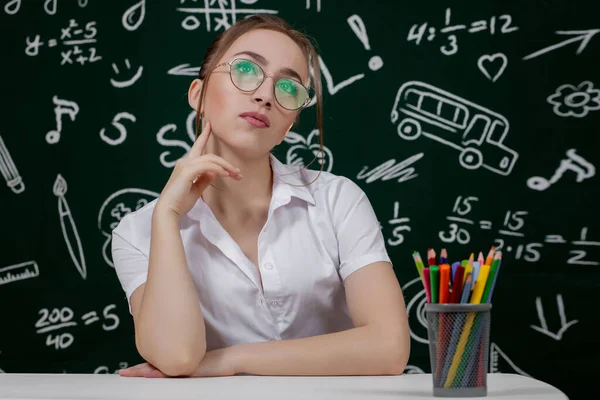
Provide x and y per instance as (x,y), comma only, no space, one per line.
(409,129)
(471,158)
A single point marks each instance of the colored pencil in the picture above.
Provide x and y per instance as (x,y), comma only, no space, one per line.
(443,257)
(431,257)
(490,256)
(444,283)
(434,271)
(466,292)
(457,285)
(427,284)
(498,258)
(480,284)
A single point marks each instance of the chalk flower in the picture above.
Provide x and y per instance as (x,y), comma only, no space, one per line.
(575,101)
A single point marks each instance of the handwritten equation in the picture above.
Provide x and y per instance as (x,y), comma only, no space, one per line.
(218,14)
(77,44)
(510,234)
(501,24)
(55,324)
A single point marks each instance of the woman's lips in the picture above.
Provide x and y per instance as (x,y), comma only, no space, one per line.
(257,123)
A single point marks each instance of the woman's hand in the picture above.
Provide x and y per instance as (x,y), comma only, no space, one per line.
(192,174)
(215,363)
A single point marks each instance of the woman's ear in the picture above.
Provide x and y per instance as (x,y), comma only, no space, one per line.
(194,93)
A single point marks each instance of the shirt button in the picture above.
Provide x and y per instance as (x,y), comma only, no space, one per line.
(269,265)
(274,303)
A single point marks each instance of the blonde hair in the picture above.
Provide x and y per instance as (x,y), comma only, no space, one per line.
(270,22)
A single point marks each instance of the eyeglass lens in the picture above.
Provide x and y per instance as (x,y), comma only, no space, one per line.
(247,76)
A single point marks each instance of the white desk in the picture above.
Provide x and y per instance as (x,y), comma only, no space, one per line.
(250,387)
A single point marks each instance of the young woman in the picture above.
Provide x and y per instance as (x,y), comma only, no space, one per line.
(246,265)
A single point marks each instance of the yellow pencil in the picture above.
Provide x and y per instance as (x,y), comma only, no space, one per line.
(460,349)
(484,271)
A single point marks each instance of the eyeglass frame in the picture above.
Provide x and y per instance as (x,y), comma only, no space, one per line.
(265,76)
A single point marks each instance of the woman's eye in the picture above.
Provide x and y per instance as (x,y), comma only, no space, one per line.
(287,86)
(245,68)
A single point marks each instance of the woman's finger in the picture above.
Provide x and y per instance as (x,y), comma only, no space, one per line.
(223,163)
(202,165)
(200,143)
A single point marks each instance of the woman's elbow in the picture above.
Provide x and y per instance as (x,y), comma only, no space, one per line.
(180,363)
(401,353)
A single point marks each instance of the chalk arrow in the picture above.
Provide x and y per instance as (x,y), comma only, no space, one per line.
(544,326)
(184,69)
(583,36)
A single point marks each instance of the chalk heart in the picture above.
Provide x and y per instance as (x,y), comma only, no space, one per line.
(492,62)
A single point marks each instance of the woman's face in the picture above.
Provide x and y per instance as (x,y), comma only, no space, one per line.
(278,56)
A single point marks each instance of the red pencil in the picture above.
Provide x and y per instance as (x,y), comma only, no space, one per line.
(458,285)
(431,257)
(427,283)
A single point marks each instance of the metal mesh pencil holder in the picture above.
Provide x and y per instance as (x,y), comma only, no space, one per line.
(459,337)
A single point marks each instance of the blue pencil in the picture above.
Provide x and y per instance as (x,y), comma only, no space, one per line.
(467,288)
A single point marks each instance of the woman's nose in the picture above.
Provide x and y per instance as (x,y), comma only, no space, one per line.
(264,93)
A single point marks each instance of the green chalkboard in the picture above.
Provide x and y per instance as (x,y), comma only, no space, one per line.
(467,123)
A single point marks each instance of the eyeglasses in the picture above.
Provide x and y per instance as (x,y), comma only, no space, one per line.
(247,76)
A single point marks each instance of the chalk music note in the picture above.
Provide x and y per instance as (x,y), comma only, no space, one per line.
(63,107)
(573,162)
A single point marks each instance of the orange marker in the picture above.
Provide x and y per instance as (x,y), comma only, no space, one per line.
(444,283)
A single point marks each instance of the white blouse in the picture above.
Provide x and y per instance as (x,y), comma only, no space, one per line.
(315,236)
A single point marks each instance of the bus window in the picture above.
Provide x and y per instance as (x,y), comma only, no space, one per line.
(497,132)
(477,128)
(412,97)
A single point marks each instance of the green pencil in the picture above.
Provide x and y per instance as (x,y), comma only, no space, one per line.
(434,272)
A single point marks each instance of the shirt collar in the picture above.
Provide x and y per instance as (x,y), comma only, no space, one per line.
(284,178)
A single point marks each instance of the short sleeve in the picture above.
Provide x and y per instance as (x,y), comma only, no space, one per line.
(131,264)
(360,241)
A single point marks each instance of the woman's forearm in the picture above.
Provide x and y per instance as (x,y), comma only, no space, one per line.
(171,333)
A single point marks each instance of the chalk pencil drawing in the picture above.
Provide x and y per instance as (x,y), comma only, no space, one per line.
(358,26)
(304,151)
(134,16)
(488,59)
(575,101)
(9,171)
(476,132)
(415,309)
(225,13)
(543,328)
(67,224)
(116,122)
(18,272)
(63,107)
(583,36)
(582,168)
(500,363)
(391,170)
(128,82)
(114,208)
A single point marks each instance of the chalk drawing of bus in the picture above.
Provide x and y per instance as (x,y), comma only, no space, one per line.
(477,132)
